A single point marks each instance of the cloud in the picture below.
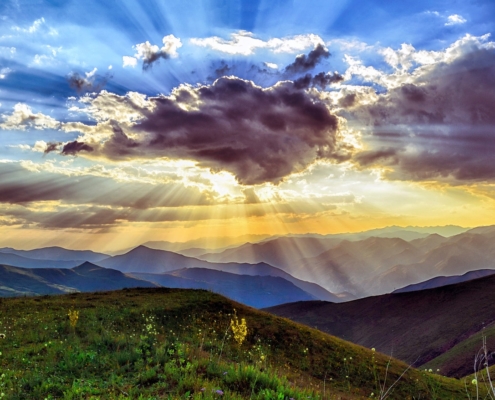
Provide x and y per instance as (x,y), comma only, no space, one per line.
(37,26)
(4,72)
(259,135)
(410,64)
(90,82)
(129,61)
(30,183)
(455,19)
(151,53)
(270,65)
(244,43)
(320,80)
(23,117)
(440,125)
(7,51)
(75,147)
(304,63)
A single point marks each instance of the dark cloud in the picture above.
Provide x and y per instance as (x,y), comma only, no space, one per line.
(304,63)
(90,83)
(440,127)
(72,148)
(259,135)
(321,80)
(348,100)
(222,70)
(52,146)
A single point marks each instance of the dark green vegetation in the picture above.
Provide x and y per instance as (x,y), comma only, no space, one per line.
(445,322)
(171,343)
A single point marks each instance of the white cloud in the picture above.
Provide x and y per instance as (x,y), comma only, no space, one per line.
(150,53)
(129,61)
(410,64)
(91,73)
(244,43)
(23,117)
(455,19)
(33,28)
(7,51)
(271,65)
(349,45)
(4,72)
(170,45)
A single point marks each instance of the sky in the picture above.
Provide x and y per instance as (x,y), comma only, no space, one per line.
(127,121)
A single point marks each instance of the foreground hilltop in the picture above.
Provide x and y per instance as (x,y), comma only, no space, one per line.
(172,343)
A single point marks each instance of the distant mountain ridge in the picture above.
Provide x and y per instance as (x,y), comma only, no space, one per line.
(145,260)
(255,291)
(55,253)
(86,277)
(440,281)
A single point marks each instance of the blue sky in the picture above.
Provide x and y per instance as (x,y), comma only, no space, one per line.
(342,102)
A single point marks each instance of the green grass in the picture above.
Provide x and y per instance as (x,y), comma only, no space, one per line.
(458,361)
(172,343)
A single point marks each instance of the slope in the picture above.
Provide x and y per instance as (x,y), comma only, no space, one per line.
(169,343)
(414,327)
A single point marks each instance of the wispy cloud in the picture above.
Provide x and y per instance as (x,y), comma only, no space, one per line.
(455,19)
(245,43)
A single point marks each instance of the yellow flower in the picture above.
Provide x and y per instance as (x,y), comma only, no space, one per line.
(73,317)
(239,329)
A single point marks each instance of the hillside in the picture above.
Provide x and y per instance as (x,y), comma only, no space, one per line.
(414,327)
(155,343)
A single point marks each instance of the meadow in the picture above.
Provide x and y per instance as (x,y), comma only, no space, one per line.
(179,344)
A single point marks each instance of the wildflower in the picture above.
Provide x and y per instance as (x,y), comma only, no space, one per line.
(73,317)
(203,389)
(2,336)
(225,373)
(239,329)
(373,349)
(474,382)
(219,392)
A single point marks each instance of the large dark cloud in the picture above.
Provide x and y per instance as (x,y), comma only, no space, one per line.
(440,127)
(259,135)
(304,63)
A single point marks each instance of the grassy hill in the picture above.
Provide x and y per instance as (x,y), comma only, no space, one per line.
(414,326)
(172,343)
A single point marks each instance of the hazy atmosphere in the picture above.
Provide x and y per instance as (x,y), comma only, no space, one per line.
(124,121)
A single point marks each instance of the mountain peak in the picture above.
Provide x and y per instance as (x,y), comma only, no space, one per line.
(87,267)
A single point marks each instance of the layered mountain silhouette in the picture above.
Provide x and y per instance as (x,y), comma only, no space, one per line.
(86,277)
(374,265)
(440,281)
(254,291)
(151,261)
(57,254)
